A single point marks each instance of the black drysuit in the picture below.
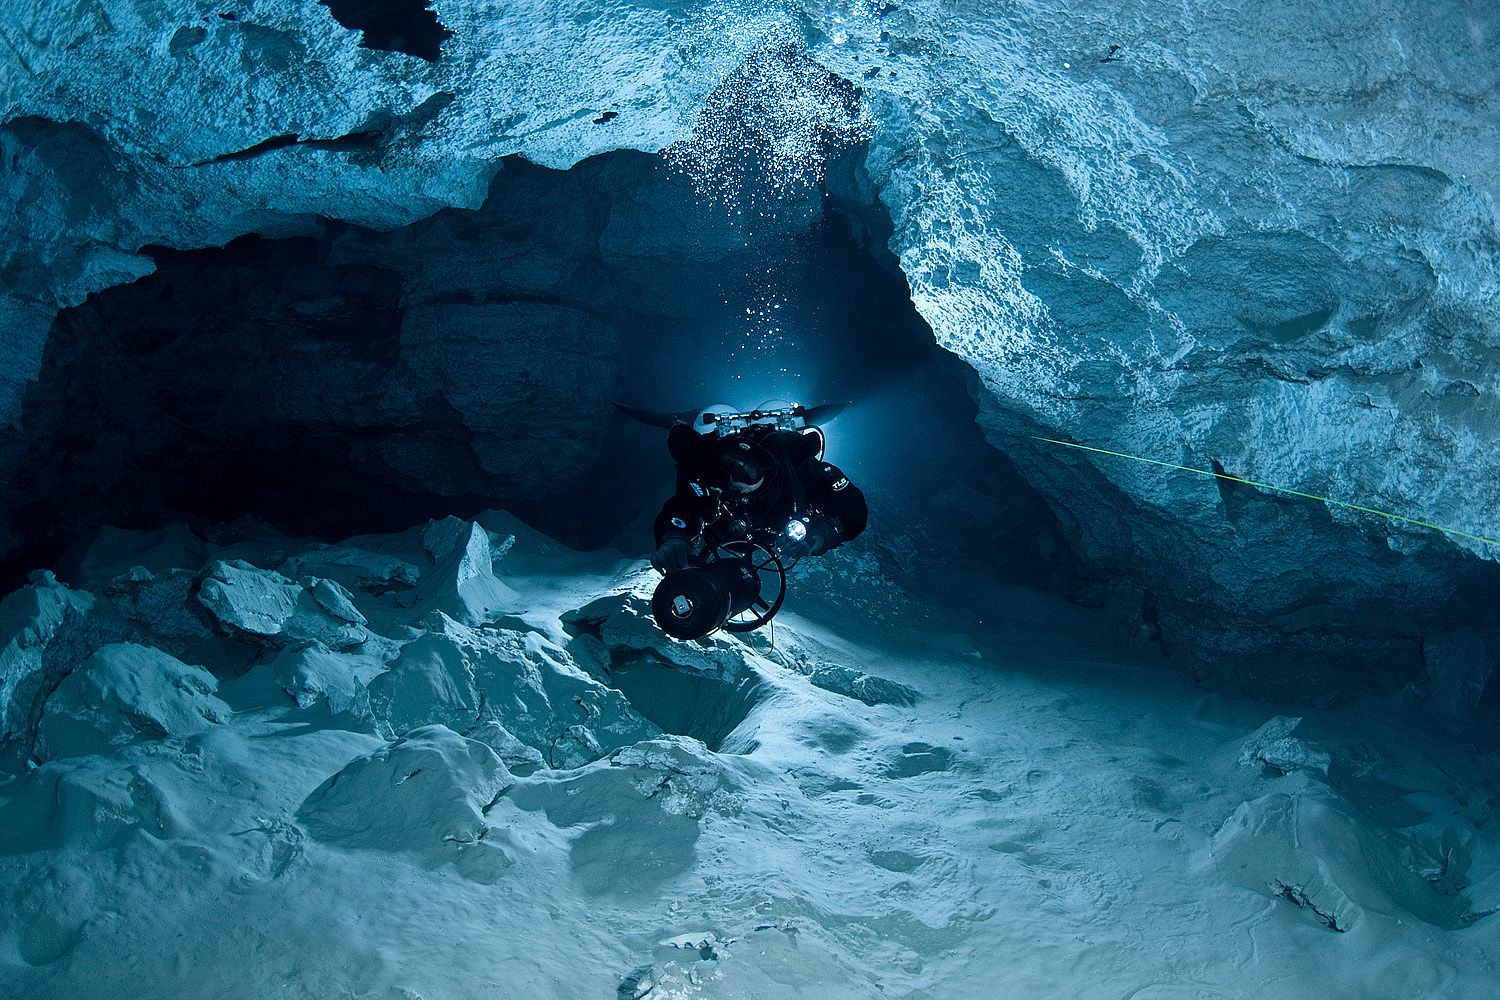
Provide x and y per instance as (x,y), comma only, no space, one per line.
(797,484)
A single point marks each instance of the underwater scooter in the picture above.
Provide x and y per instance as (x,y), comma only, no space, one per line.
(738,582)
(738,586)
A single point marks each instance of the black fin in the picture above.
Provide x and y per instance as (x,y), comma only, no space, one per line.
(653,419)
(816,415)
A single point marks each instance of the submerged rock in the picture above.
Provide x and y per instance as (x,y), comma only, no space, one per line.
(354,566)
(311,673)
(430,787)
(463,584)
(868,688)
(267,607)
(30,618)
(519,758)
(118,551)
(430,682)
(1312,853)
(124,693)
(241,596)
(1274,746)
(334,599)
(87,803)
(165,607)
(525,683)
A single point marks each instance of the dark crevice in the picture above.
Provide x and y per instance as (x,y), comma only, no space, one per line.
(376,133)
(250,152)
(1295,895)
(393,25)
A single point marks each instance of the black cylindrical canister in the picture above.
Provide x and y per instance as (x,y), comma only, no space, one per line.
(691,603)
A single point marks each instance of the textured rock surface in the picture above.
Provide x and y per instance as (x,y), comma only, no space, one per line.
(1307,850)
(311,673)
(429,787)
(1241,243)
(125,693)
(820,847)
(265,606)
(30,618)
(1260,241)
(463,585)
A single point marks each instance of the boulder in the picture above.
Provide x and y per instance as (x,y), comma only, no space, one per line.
(164,607)
(30,618)
(87,803)
(334,599)
(1307,850)
(430,682)
(116,551)
(532,687)
(271,609)
(1274,746)
(462,585)
(430,787)
(353,565)
(254,601)
(311,673)
(124,693)
(519,758)
(868,688)
(521,681)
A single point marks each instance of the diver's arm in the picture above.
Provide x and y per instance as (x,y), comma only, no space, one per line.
(839,509)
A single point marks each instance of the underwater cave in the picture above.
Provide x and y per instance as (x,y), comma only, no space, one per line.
(334,650)
(349,381)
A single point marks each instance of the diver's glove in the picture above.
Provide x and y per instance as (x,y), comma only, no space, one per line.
(671,555)
(807,538)
(794,542)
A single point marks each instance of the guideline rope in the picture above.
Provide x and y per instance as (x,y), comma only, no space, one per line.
(1268,486)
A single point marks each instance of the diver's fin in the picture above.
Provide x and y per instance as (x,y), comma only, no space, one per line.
(653,419)
(816,415)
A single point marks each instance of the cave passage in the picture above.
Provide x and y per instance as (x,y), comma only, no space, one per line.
(350,381)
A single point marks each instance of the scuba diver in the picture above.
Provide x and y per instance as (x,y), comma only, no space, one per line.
(753,497)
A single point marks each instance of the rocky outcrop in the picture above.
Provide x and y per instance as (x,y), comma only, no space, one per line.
(425,789)
(30,620)
(125,693)
(266,607)
(1262,246)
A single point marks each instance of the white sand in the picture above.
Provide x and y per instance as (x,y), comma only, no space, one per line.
(1048,820)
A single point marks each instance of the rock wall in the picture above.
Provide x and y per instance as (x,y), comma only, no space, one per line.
(1258,244)
(1258,241)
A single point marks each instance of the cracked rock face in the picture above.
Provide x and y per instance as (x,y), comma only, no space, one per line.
(1262,243)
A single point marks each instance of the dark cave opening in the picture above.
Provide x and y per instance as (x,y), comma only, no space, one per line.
(351,381)
(393,25)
